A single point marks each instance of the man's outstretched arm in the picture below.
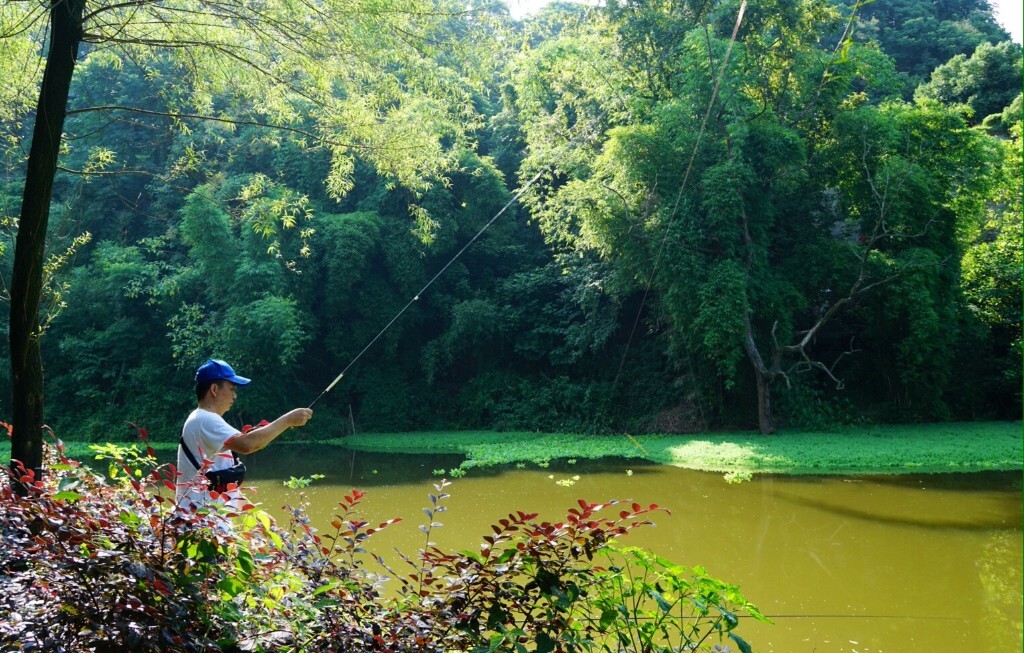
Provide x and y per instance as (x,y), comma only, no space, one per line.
(256,439)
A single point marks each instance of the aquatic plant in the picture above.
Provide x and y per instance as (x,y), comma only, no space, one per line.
(736,477)
(296,483)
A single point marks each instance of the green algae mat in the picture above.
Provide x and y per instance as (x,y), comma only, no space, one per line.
(885,449)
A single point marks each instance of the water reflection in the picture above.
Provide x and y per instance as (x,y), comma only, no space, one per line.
(865,564)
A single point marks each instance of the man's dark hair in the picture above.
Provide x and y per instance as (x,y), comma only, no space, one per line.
(204,386)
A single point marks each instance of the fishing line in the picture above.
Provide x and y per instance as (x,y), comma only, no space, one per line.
(472,240)
(416,297)
(909,617)
(522,191)
(686,176)
(675,207)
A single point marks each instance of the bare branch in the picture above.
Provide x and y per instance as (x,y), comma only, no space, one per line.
(807,363)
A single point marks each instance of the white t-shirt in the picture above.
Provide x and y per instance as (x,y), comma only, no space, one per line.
(205,434)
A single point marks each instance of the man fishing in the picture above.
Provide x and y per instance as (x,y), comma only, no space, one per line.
(206,436)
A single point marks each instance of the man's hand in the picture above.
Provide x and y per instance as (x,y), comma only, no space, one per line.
(297,417)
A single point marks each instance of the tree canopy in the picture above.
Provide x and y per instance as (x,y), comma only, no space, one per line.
(727,232)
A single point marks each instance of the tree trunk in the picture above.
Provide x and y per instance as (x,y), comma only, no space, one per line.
(764,404)
(765,377)
(30,242)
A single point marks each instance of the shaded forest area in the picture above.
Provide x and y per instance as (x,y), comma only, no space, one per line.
(816,224)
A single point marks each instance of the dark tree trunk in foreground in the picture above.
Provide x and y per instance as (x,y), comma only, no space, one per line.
(30,243)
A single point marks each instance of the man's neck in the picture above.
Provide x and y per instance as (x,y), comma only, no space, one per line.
(210,407)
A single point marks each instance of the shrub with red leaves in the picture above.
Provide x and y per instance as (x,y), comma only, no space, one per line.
(96,563)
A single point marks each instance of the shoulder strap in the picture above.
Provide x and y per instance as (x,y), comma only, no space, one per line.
(188,454)
(192,459)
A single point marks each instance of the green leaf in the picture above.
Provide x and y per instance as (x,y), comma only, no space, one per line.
(730,618)
(741,643)
(544,643)
(607,618)
(231,586)
(129,518)
(473,556)
(326,587)
(68,495)
(496,616)
(660,600)
(244,563)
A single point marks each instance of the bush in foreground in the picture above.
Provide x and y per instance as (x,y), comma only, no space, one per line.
(107,563)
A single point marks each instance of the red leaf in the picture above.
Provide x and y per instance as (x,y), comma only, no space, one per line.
(636,507)
(169,486)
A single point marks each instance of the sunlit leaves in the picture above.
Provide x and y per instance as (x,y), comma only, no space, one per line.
(21,66)
(365,79)
(269,208)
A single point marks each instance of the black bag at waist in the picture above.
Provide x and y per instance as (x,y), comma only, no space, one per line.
(220,478)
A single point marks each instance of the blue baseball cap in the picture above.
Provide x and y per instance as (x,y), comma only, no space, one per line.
(217,370)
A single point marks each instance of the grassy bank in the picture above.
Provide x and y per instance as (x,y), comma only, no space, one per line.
(886,449)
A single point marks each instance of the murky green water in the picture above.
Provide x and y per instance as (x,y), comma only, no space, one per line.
(924,564)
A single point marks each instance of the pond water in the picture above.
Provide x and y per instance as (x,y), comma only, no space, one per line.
(855,564)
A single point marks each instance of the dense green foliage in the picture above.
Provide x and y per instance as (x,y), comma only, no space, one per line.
(91,563)
(781,238)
